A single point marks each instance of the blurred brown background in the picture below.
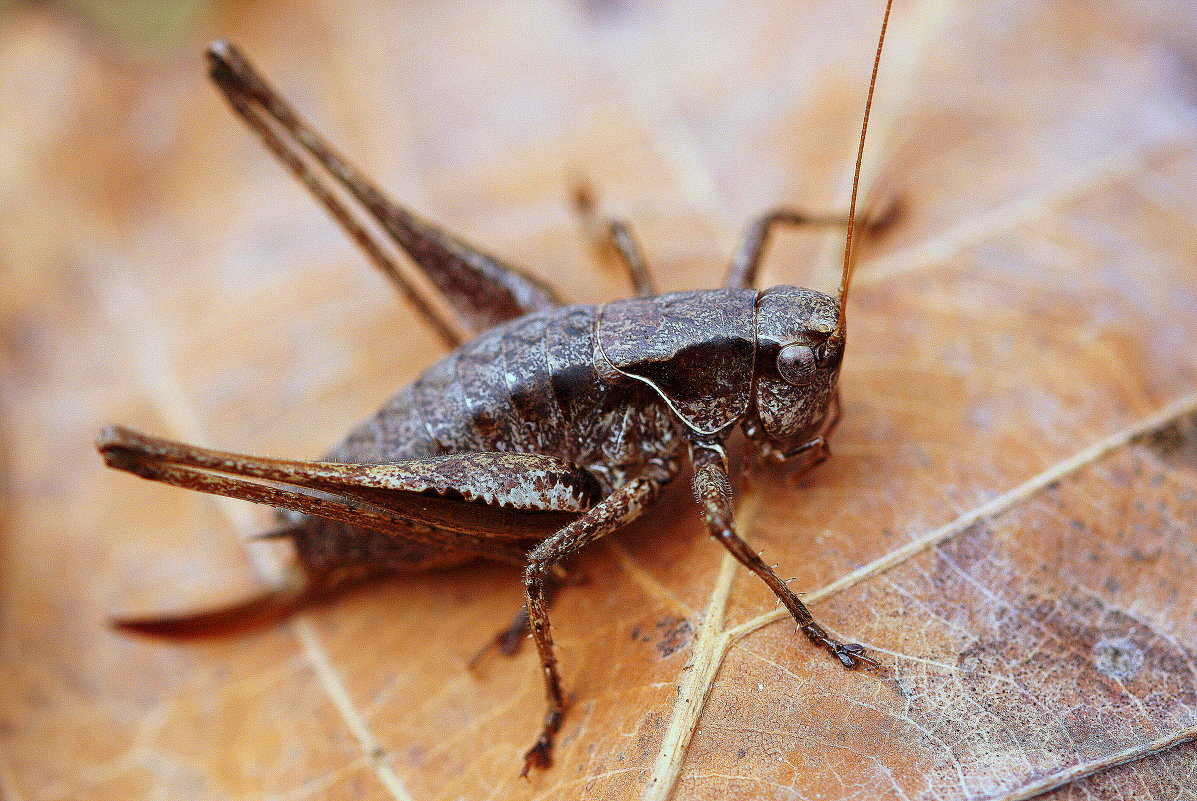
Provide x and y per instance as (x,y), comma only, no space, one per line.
(1014,480)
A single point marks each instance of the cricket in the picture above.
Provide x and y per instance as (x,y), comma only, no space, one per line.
(553,426)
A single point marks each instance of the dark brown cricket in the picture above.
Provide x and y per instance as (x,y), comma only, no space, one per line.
(553,426)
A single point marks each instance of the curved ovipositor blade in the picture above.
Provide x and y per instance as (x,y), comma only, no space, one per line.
(301,588)
(482,503)
(258,611)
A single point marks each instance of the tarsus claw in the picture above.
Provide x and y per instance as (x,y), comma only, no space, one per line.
(539,756)
(852,655)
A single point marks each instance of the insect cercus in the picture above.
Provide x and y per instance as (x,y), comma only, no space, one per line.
(554,426)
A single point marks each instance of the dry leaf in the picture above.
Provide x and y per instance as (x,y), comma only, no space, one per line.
(1007,521)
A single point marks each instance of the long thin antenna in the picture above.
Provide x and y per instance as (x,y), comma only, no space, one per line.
(849,263)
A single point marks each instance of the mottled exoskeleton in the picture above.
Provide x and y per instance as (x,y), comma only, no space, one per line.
(554,426)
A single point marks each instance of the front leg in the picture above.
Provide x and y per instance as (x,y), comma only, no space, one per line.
(713,490)
(610,514)
(816,451)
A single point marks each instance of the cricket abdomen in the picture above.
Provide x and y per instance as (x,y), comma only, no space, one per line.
(527,386)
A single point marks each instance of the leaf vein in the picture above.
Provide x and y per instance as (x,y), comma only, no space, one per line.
(1002,503)
(128,308)
(1083,770)
(1124,161)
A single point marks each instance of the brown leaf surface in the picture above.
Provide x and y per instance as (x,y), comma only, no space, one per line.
(1008,519)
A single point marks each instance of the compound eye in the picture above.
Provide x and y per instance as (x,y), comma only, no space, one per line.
(796,363)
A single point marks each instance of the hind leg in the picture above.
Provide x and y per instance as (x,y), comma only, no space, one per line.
(479,289)
(508,641)
(610,514)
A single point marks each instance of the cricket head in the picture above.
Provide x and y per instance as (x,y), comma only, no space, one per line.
(799,347)
(800,341)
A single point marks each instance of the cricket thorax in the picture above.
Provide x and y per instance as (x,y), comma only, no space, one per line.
(694,349)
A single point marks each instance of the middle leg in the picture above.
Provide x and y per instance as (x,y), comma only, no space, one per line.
(508,641)
(610,514)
